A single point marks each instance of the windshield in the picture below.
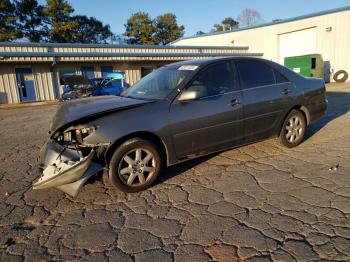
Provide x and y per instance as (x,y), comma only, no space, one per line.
(157,85)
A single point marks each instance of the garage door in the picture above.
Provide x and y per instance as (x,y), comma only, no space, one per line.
(297,43)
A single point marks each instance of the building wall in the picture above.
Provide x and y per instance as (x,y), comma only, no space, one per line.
(8,85)
(48,61)
(334,45)
(44,82)
(46,77)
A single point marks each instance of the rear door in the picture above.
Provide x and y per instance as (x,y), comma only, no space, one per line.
(213,121)
(267,96)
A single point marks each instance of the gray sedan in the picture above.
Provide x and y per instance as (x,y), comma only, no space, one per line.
(178,112)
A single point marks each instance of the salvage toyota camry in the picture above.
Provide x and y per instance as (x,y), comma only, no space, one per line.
(178,112)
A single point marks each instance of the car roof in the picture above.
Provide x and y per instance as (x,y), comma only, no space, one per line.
(206,61)
(203,62)
(116,75)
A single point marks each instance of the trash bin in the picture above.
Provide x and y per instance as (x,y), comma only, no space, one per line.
(306,65)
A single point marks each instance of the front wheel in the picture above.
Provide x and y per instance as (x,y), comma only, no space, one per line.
(135,165)
(293,129)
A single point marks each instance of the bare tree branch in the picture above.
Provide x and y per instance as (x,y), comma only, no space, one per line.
(249,17)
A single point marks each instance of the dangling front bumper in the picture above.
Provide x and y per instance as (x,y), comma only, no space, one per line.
(65,169)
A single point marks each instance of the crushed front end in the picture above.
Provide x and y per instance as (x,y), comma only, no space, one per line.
(67,161)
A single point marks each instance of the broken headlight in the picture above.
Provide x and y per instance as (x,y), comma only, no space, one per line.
(81,133)
(75,135)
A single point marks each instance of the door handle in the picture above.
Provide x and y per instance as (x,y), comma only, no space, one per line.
(235,102)
(286,91)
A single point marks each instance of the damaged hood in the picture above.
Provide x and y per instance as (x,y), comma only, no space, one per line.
(74,110)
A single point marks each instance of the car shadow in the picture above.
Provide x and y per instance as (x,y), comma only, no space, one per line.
(338,105)
(172,171)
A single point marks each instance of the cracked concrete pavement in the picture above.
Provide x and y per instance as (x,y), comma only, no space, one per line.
(258,202)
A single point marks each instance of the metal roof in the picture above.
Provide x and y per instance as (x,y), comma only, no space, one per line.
(46,52)
(336,10)
(80,54)
(78,45)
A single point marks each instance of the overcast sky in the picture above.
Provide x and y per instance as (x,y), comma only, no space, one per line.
(197,15)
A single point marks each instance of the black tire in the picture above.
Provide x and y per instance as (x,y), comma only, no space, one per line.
(342,79)
(293,130)
(118,160)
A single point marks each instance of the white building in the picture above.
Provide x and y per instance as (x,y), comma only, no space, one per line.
(326,33)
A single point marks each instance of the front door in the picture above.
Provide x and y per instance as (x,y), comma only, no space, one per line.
(25,83)
(212,122)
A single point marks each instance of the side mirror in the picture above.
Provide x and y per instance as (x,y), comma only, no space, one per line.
(188,95)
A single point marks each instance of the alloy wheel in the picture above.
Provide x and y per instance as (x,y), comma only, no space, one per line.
(137,167)
(294,129)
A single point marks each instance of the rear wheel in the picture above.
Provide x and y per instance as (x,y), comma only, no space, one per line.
(293,129)
(135,165)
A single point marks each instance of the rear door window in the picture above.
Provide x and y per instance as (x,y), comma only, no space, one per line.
(255,73)
(280,78)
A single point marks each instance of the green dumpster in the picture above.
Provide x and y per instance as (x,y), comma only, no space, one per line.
(306,65)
